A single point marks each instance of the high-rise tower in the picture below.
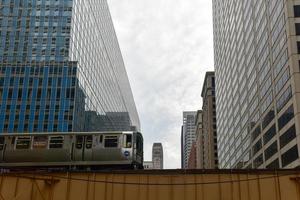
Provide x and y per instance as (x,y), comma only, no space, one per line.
(157,156)
(61,68)
(188,135)
(256,47)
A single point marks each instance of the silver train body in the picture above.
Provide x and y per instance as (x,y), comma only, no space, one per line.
(92,149)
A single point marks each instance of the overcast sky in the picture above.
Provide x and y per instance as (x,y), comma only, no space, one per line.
(167,47)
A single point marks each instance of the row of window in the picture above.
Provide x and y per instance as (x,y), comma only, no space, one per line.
(286,158)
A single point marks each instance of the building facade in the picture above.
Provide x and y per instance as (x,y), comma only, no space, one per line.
(61,68)
(188,134)
(192,162)
(256,47)
(157,156)
(209,129)
(199,140)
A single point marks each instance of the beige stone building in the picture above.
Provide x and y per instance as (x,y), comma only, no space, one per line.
(199,140)
(257,53)
(209,132)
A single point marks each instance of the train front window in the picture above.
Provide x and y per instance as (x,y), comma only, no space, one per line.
(139,144)
(23,142)
(127,141)
(111,141)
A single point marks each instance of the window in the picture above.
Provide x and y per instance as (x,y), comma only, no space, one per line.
(289,156)
(258,161)
(283,99)
(268,118)
(256,133)
(111,141)
(297,28)
(271,150)
(273,165)
(79,141)
(288,136)
(269,134)
(40,142)
(23,142)
(127,141)
(2,140)
(257,147)
(298,47)
(56,142)
(297,10)
(88,141)
(286,117)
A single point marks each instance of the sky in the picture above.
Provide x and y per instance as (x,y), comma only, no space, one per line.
(167,46)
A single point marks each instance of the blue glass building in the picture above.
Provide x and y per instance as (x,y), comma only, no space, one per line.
(61,68)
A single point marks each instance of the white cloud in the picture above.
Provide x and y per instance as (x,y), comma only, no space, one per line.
(167,48)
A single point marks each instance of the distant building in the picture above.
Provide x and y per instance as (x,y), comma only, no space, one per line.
(188,135)
(148,165)
(157,156)
(182,149)
(209,129)
(199,140)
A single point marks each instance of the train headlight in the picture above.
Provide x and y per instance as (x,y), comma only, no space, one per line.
(126,153)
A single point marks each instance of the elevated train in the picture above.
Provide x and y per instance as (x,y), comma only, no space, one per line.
(72,150)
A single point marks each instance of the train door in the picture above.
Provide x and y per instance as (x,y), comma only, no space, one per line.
(88,152)
(78,149)
(83,148)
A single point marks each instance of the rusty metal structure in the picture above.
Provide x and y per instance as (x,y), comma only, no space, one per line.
(153,185)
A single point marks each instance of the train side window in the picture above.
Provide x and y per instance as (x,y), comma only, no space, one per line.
(2,140)
(111,141)
(101,138)
(79,141)
(23,142)
(40,142)
(56,142)
(88,141)
(128,141)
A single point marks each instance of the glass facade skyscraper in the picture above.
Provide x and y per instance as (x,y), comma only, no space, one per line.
(256,47)
(61,68)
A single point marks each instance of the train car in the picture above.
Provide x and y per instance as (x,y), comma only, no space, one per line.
(73,150)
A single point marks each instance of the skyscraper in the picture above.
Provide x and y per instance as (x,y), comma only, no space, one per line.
(256,47)
(157,156)
(61,68)
(188,135)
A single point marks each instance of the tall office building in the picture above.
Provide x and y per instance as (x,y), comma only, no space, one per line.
(61,68)
(256,47)
(157,156)
(188,135)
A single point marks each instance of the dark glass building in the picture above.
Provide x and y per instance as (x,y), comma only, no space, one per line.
(61,68)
